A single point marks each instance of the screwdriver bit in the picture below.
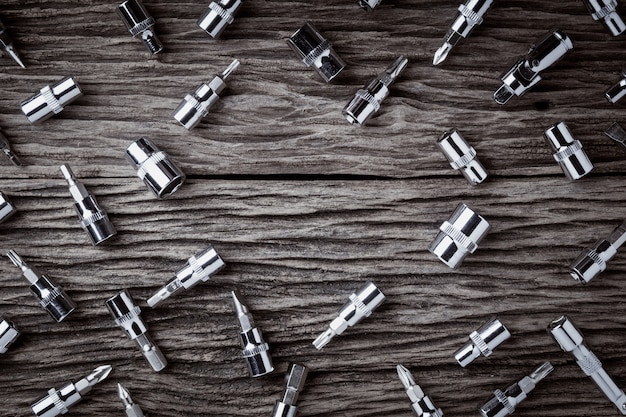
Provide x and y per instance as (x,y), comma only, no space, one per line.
(5,147)
(294,382)
(482,341)
(6,43)
(132,409)
(592,261)
(420,403)
(616,133)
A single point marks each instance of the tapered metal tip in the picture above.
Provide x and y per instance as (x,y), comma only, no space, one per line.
(124,395)
(503,94)
(442,53)
(230,69)
(541,372)
(99,374)
(15,57)
(245,321)
(68,174)
(405,377)
(323,339)
(15,258)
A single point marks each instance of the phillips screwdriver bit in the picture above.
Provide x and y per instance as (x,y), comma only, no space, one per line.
(420,403)
(592,261)
(57,401)
(8,334)
(218,16)
(503,403)
(5,147)
(605,10)
(6,43)
(294,382)
(369,5)
(132,409)
(482,342)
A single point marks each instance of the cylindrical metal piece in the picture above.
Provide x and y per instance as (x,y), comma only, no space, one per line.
(482,341)
(53,298)
(56,401)
(369,5)
(8,334)
(218,16)
(569,151)
(316,51)
(294,382)
(256,352)
(50,100)
(605,10)
(462,156)
(592,261)
(139,21)
(617,91)
(7,208)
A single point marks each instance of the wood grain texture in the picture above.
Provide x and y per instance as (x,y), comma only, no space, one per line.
(304,208)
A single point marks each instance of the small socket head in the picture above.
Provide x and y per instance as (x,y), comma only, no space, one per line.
(566,334)
(616,92)
(316,51)
(362,106)
(7,208)
(8,334)
(592,261)
(482,342)
(257,355)
(50,100)
(218,16)
(569,152)
(462,156)
(605,10)
(53,298)
(140,22)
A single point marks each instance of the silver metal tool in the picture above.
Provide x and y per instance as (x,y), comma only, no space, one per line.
(127,316)
(369,5)
(617,91)
(420,403)
(568,151)
(8,334)
(526,72)
(462,156)
(195,106)
(58,401)
(316,51)
(199,268)
(6,43)
(52,298)
(131,409)
(5,147)
(616,133)
(155,168)
(592,261)
(218,16)
(459,236)
(605,10)
(7,208)
(50,100)
(361,304)
(93,219)
(140,22)
(367,100)
(294,382)
(503,403)
(571,340)
(469,16)
(482,342)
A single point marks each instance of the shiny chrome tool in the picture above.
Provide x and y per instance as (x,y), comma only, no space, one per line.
(199,268)
(50,100)
(503,403)
(462,156)
(255,351)
(469,16)
(93,219)
(605,10)
(526,72)
(57,401)
(459,236)
(571,340)
(420,403)
(131,409)
(6,43)
(195,106)
(52,298)
(482,341)
(140,22)
(8,334)
(218,16)
(367,100)
(316,51)
(5,147)
(616,133)
(294,382)
(360,305)
(568,151)
(369,5)
(7,208)
(127,316)
(592,261)
(155,168)
(617,91)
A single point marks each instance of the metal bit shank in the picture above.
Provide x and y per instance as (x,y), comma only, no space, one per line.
(5,147)
(420,403)
(482,342)
(6,43)
(294,382)
(131,409)
(592,261)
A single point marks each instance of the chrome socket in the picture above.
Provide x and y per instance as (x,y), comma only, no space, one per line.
(568,151)
(218,16)
(592,261)
(7,208)
(316,52)
(482,342)
(50,100)
(140,22)
(462,156)
(8,334)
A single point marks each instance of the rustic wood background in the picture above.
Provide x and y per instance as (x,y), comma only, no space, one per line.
(304,207)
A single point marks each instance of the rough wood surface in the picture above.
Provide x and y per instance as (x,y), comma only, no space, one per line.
(304,208)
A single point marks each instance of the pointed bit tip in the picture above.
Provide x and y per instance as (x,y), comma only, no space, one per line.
(230,69)
(67,172)
(405,377)
(323,339)
(15,57)
(99,374)
(15,258)
(442,53)
(543,371)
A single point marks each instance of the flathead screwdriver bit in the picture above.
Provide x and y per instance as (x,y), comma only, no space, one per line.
(131,409)
(420,403)
(294,382)
(6,43)
(5,147)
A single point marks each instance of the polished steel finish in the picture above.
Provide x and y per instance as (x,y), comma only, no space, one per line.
(369,5)
(482,342)
(218,16)
(525,73)
(592,261)
(462,156)
(367,101)
(616,133)
(420,403)
(199,268)
(568,151)
(127,316)
(7,208)
(131,409)
(605,10)
(294,383)
(58,401)
(571,340)
(316,51)
(52,298)
(93,219)
(617,91)
(6,43)
(8,334)
(5,147)
(361,304)
(140,22)
(50,100)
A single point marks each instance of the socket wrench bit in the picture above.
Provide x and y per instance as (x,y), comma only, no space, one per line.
(5,147)
(482,341)
(218,16)
(155,168)
(570,340)
(52,298)
(58,401)
(195,106)
(617,91)
(459,236)
(255,351)
(360,305)
(316,51)
(616,133)
(526,72)
(7,208)
(294,382)
(8,334)
(127,316)
(50,100)
(367,100)
(93,219)
(462,156)
(592,261)
(605,10)
(6,43)
(140,22)
(369,5)
(420,403)
(131,409)
(568,151)
(469,16)
(199,268)
(502,404)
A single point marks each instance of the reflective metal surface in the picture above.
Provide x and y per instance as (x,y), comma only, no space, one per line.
(7,208)
(568,151)
(592,261)
(462,156)
(8,334)
(6,43)
(50,100)
(605,11)
(316,52)
(218,16)
(421,404)
(482,342)
(294,383)
(140,22)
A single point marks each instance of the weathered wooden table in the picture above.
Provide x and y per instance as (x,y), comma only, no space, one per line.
(305,208)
